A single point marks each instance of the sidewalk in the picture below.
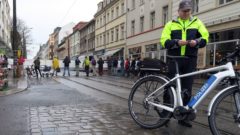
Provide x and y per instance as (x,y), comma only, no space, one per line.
(15,85)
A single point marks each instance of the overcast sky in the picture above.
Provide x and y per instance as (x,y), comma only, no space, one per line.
(44,15)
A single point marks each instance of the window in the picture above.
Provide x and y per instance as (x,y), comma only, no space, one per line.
(100,21)
(141,2)
(117,33)
(195,6)
(104,39)
(117,11)
(135,52)
(133,4)
(152,20)
(122,6)
(97,41)
(112,14)
(151,48)
(100,40)
(142,24)
(97,23)
(108,17)
(133,27)
(112,35)
(122,31)
(221,2)
(107,41)
(104,20)
(165,15)
(3,17)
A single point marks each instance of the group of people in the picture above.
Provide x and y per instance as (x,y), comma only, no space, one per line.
(3,60)
(126,66)
(91,63)
(87,65)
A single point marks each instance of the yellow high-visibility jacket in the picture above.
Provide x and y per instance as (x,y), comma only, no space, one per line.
(191,29)
(55,63)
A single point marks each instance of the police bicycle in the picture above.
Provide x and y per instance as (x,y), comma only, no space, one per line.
(149,108)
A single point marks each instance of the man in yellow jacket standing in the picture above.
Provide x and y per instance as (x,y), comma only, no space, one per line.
(55,65)
(86,65)
(182,37)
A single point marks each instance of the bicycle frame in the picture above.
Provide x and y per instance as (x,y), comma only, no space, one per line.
(224,71)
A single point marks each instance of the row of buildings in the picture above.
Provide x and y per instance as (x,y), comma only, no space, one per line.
(5,28)
(132,28)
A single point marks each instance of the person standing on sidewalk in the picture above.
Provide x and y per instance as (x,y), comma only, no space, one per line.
(66,62)
(77,63)
(122,66)
(5,60)
(127,66)
(109,63)
(86,65)
(182,37)
(100,66)
(132,67)
(93,64)
(55,66)
(115,66)
(37,66)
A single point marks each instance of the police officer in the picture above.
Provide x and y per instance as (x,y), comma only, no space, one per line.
(182,37)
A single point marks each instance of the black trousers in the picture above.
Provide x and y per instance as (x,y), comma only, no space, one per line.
(37,69)
(87,70)
(185,66)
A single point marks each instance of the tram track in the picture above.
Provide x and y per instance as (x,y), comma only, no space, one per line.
(111,82)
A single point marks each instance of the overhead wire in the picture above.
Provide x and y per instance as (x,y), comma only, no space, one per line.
(69,9)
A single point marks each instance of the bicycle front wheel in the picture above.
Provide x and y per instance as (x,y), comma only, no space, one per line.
(144,114)
(223,119)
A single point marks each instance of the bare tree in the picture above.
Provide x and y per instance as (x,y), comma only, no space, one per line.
(23,36)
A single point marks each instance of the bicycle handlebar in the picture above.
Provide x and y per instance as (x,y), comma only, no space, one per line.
(230,57)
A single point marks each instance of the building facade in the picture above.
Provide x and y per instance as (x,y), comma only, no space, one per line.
(87,39)
(145,22)
(75,39)
(53,43)
(63,48)
(63,40)
(110,31)
(5,27)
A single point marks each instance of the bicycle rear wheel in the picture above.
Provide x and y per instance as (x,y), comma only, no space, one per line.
(223,118)
(144,114)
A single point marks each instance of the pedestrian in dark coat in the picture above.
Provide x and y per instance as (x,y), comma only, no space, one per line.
(100,66)
(66,62)
(37,66)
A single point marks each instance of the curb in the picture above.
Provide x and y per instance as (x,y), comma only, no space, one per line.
(22,86)
(10,92)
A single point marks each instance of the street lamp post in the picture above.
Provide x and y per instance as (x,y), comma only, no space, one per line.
(24,49)
(14,39)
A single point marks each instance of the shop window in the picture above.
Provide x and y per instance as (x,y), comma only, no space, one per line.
(135,52)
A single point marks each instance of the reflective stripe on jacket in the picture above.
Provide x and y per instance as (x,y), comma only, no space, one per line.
(191,29)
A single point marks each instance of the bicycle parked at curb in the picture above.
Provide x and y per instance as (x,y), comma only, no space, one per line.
(150,109)
(30,72)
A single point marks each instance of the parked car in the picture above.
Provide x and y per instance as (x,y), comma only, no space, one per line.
(153,66)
